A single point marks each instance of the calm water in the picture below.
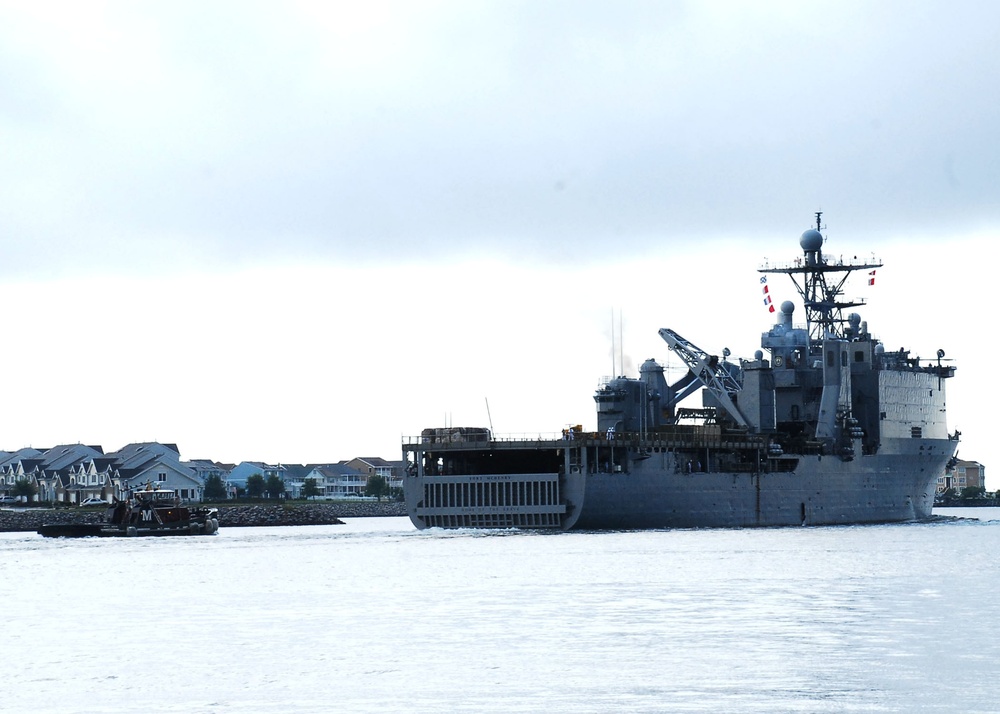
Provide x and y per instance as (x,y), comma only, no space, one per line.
(375,616)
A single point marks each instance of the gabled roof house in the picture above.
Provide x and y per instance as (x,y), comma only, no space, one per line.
(157,466)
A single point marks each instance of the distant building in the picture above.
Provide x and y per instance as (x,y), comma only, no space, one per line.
(203,469)
(295,478)
(73,473)
(91,477)
(966,474)
(339,481)
(155,465)
(391,471)
(14,466)
(245,469)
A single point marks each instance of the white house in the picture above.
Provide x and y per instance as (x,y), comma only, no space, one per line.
(339,480)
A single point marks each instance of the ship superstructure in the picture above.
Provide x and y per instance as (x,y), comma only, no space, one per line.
(821,426)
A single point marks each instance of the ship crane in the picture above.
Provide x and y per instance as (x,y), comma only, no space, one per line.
(708,370)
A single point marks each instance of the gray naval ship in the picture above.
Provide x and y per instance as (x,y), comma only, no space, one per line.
(822,426)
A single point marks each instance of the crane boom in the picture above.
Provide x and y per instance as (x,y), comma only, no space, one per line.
(707,369)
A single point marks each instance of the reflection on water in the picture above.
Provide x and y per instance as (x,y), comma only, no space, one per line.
(374,616)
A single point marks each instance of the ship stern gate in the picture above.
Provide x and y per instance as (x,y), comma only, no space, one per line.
(493,483)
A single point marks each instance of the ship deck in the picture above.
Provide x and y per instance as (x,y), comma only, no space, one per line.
(713,439)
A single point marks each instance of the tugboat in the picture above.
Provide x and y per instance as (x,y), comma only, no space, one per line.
(147,512)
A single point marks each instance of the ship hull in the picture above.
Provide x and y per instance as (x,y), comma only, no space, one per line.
(207,526)
(656,490)
(869,490)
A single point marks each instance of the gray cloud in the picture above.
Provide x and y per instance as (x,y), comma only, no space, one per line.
(167,135)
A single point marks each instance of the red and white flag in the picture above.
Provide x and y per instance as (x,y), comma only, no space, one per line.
(871,278)
(767,297)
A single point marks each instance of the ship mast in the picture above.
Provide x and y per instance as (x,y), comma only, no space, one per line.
(819,281)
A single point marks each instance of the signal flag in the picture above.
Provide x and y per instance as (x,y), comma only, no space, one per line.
(766,291)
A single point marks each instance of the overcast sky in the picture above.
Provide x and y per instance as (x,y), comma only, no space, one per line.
(297,232)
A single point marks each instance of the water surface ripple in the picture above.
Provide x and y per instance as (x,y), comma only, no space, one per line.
(375,616)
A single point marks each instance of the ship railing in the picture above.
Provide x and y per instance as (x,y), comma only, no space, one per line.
(904,363)
(828,260)
(695,437)
(514,437)
(692,437)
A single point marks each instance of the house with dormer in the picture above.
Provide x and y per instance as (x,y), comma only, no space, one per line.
(203,468)
(76,472)
(92,478)
(17,465)
(155,465)
(65,473)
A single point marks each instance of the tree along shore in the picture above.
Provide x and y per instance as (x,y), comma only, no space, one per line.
(230,516)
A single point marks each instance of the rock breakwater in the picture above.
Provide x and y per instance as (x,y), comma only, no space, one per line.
(230,516)
(304,514)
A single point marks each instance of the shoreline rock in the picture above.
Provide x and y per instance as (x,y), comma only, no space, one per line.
(239,515)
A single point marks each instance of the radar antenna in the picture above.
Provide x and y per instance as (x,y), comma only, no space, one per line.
(819,281)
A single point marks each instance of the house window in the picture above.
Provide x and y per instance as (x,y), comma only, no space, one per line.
(161,477)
